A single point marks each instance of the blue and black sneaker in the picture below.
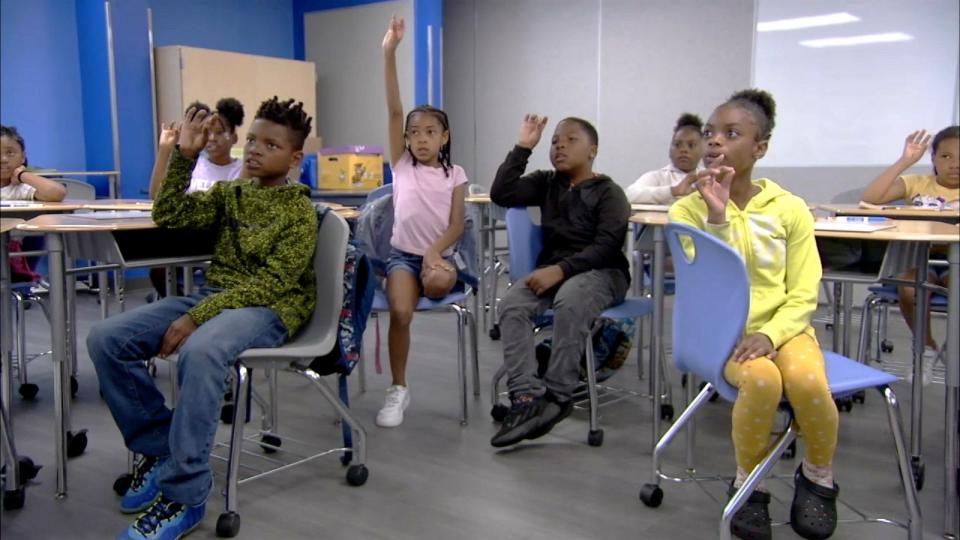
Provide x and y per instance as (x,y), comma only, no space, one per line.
(164,520)
(143,490)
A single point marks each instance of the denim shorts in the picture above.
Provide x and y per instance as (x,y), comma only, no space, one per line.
(401,260)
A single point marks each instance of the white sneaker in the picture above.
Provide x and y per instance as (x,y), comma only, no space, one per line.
(397,401)
(930,358)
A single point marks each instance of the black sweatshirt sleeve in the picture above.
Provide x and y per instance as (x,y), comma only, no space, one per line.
(511,188)
(614,215)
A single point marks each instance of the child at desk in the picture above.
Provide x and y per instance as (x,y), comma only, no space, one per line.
(939,190)
(665,185)
(580,271)
(215,163)
(16,182)
(260,290)
(428,193)
(778,354)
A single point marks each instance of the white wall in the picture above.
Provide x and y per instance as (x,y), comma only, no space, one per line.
(345,46)
(629,66)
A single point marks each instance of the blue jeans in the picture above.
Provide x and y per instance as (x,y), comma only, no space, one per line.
(119,346)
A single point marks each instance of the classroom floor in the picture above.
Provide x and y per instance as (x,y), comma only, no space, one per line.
(433,479)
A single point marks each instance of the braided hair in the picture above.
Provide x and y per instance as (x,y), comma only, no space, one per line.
(444,156)
(290,114)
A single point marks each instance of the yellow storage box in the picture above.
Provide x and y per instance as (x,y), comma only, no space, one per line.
(351,167)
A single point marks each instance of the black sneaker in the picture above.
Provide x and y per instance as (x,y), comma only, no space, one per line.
(551,414)
(524,417)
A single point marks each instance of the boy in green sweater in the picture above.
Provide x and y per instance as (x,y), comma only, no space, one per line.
(260,289)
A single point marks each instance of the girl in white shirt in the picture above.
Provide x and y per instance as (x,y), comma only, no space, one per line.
(16,182)
(663,186)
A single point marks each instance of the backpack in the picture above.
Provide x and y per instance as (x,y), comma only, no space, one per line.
(358,288)
(611,347)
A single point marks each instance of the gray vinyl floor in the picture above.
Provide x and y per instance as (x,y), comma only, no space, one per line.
(432,478)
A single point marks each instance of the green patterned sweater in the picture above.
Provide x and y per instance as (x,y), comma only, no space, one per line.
(265,239)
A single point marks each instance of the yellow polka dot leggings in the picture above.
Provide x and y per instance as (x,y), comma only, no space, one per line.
(798,369)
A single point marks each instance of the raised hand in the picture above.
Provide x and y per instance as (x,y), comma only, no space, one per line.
(169,133)
(394,34)
(915,146)
(531,129)
(714,186)
(193,132)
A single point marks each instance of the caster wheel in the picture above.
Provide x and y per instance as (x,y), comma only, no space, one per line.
(651,495)
(666,412)
(791,451)
(27,468)
(919,472)
(122,484)
(74,386)
(28,391)
(228,524)
(886,346)
(13,499)
(845,404)
(860,397)
(713,397)
(495,332)
(76,443)
(499,412)
(357,475)
(595,438)
(226,414)
(271,440)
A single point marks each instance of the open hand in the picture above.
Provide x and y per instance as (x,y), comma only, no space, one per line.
(432,260)
(394,35)
(176,335)
(15,175)
(543,279)
(531,129)
(754,346)
(714,185)
(915,146)
(193,132)
(169,133)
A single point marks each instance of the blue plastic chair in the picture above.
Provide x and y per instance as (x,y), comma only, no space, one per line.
(525,241)
(712,280)
(881,297)
(456,302)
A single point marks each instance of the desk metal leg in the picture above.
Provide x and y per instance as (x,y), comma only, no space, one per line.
(656,340)
(951,522)
(6,337)
(847,300)
(919,331)
(491,266)
(482,270)
(58,339)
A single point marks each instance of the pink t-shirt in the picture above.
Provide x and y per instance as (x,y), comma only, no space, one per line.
(422,197)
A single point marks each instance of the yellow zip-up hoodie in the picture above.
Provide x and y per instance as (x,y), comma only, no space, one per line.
(774,237)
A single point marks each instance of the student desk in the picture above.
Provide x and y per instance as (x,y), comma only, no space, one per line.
(345,197)
(6,328)
(487,242)
(94,240)
(119,204)
(29,209)
(894,212)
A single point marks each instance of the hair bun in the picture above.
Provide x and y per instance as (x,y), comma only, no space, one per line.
(231,110)
(689,120)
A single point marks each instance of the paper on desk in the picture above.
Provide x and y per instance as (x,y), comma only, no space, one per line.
(854,224)
(20,204)
(114,214)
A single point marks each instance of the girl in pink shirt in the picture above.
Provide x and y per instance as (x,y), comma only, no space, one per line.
(428,193)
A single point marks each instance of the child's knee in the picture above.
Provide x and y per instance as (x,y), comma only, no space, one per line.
(401,316)
(101,338)
(437,283)
(803,382)
(760,376)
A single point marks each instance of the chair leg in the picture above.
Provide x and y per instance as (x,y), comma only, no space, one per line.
(475,349)
(866,318)
(103,294)
(359,433)
(240,382)
(595,436)
(461,361)
(753,480)
(676,427)
(21,323)
(915,526)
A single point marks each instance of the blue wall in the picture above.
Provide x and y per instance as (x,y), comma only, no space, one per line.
(40,74)
(262,27)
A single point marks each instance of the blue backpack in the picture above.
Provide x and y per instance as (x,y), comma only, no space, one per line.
(358,288)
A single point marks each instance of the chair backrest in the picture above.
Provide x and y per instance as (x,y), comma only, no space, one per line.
(328,261)
(381,191)
(78,189)
(524,240)
(711,304)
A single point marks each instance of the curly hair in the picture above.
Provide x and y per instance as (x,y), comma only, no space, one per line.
(231,111)
(761,105)
(290,114)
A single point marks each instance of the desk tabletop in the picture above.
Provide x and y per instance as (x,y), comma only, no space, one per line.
(117,204)
(650,218)
(477,199)
(38,207)
(76,222)
(894,212)
(7,224)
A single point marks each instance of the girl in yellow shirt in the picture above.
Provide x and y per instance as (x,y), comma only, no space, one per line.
(941,189)
(772,230)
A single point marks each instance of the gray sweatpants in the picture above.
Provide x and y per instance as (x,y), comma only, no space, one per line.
(576,303)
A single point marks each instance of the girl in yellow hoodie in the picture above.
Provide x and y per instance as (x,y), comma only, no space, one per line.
(772,230)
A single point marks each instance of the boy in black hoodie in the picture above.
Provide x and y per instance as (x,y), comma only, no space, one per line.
(580,272)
